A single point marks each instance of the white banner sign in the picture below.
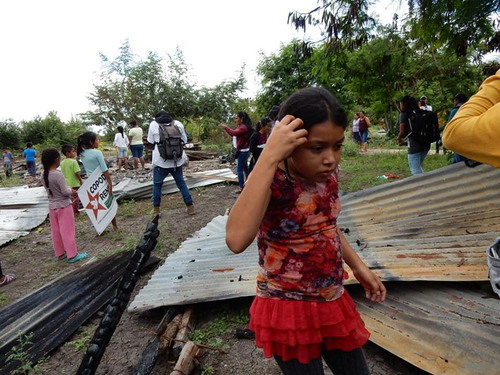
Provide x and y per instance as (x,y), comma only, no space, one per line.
(99,205)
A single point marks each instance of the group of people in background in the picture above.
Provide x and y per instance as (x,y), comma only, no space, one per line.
(248,140)
(417,151)
(29,156)
(134,142)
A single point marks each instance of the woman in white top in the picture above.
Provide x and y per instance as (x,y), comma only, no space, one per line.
(121,143)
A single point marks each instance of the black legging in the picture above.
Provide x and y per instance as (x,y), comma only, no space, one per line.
(341,363)
(1,274)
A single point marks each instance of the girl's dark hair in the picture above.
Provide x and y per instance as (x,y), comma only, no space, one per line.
(246,120)
(120,130)
(314,105)
(409,103)
(49,157)
(263,122)
(84,141)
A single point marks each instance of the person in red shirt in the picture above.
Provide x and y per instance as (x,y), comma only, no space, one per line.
(242,133)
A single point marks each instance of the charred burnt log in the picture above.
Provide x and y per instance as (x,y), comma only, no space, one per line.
(119,301)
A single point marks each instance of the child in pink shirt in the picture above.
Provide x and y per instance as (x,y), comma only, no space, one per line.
(62,219)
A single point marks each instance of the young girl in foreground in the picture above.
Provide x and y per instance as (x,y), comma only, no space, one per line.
(92,158)
(301,311)
(61,216)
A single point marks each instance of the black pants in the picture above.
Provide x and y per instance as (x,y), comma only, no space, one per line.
(1,274)
(341,363)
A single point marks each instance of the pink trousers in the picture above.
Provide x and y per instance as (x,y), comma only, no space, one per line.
(62,226)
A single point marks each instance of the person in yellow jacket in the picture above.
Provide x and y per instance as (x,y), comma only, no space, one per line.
(474,131)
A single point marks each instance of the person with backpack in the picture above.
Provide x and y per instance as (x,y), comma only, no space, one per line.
(413,127)
(168,137)
(243,132)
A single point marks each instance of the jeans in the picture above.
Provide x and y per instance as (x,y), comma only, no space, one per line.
(242,167)
(415,161)
(364,136)
(458,158)
(159,174)
(137,150)
(341,363)
(31,167)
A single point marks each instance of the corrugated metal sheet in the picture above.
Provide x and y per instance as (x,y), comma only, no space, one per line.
(129,188)
(21,209)
(443,328)
(435,226)
(411,230)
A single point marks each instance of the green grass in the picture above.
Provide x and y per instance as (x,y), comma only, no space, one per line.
(14,180)
(362,171)
(127,208)
(4,300)
(226,321)
(82,341)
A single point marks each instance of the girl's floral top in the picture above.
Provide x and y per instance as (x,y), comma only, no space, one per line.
(300,254)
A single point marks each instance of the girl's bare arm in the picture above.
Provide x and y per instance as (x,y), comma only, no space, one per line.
(374,289)
(110,184)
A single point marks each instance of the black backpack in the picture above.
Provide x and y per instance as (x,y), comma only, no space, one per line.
(171,145)
(424,126)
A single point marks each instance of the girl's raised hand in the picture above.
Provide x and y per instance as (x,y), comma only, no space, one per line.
(285,137)
(374,289)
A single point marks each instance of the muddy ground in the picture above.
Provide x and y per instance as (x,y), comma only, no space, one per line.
(31,258)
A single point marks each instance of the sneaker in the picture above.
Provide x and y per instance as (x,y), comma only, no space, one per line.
(78,257)
(190,210)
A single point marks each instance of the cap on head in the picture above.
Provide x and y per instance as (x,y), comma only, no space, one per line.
(423,97)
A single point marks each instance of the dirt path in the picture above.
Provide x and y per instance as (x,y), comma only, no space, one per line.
(32,259)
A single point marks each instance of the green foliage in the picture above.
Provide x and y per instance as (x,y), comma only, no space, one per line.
(13,180)
(209,370)
(10,134)
(283,73)
(4,300)
(51,131)
(82,342)
(226,321)
(127,208)
(20,355)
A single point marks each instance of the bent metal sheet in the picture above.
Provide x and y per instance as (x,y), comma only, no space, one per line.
(100,206)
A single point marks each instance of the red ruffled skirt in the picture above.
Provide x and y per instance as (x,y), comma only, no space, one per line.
(299,329)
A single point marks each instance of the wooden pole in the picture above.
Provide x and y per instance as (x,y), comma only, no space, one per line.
(187,360)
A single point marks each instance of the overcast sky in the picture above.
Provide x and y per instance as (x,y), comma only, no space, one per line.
(49,50)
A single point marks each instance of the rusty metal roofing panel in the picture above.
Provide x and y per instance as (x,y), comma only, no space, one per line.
(419,238)
(434,226)
(21,209)
(129,188)
(443,328)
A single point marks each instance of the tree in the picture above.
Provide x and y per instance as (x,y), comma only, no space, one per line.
(10,134)
(128,90)
(137,90)
(51,131)
(283,73)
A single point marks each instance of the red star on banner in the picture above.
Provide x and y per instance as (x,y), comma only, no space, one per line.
(94,204)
